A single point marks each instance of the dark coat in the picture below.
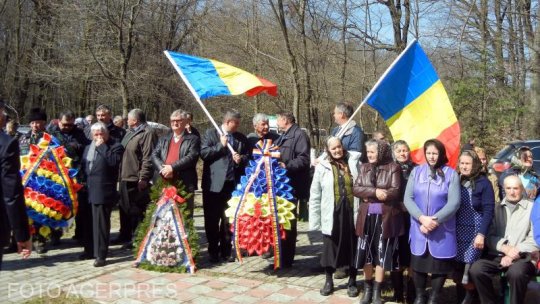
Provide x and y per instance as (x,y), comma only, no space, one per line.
(388,178)
(73,141)
(294,147)
(27,139)
(483,200)
(137,158)
(12,207)
(216,159)
(253,138)
(185,167)
(101,180)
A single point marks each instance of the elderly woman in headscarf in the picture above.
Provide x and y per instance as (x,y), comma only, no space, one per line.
(380,220)
(402,156)
(432,199)
(332,209)
(473,219)
(522,166)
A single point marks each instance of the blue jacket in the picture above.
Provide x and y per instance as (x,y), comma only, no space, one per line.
(483,200)
(352,140)
(535,220)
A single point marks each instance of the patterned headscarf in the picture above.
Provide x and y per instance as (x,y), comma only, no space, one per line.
(476,168)
(408,165)
(384,157)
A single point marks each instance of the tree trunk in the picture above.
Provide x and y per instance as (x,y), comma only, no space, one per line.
(279,13)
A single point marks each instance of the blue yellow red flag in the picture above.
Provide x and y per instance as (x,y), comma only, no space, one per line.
(210,78)
(413,102)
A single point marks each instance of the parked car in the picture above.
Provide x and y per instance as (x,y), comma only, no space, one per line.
(501,161)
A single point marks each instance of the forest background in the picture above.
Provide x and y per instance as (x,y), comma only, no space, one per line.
(76,54)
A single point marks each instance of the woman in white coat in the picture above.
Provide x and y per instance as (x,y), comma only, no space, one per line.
(333,209)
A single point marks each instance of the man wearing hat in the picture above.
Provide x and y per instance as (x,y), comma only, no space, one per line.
(38,120)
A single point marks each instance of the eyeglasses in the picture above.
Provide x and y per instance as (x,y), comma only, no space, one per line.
(176,121)
(67,125)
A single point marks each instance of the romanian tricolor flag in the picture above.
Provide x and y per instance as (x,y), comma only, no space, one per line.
(208,78)
(412,100)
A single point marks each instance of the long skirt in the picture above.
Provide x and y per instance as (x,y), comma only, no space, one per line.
(339,248)
(372,249)
(404,248)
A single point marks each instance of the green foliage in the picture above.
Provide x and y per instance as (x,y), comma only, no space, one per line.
(487,113)
(193,237)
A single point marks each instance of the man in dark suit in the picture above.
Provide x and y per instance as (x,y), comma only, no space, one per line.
(176,154)
(294,147)
(100,163)
(12,210)
(105,115)
(221,172)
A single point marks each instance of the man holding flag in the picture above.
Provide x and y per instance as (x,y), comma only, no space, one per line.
(221,172)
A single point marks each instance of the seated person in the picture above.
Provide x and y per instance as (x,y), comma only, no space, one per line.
(510,243)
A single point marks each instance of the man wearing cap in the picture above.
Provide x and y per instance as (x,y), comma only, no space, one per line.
(37,118)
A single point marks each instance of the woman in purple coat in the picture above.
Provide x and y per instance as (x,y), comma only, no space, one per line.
(432,198)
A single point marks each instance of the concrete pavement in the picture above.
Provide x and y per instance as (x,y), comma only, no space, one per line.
(118,282)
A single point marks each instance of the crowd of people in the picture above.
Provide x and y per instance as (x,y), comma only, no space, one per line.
(377,210)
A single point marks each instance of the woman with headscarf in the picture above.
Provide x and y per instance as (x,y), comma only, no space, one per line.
(380,221)
(401,153)
(432,199)
(332,209)
(472,220)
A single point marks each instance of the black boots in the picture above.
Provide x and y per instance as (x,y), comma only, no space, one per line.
(411,291)
(397,283)
(328,287)
(368,292)
(420,296)
(352,289)
(377,287)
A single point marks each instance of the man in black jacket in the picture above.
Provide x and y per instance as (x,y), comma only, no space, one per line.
(105,115)
(74,142)
(294,147)
(12,210)
(221,172)
(176,154)
(100,163)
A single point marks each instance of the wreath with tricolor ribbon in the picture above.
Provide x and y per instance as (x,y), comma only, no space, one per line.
(260,208)
(167,236)
(50,187)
